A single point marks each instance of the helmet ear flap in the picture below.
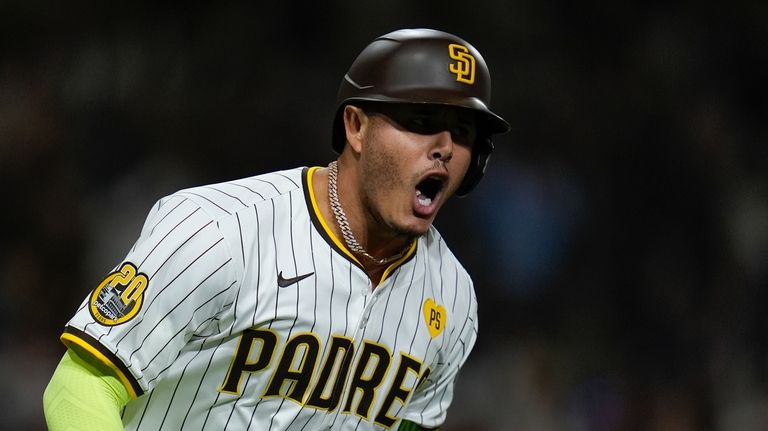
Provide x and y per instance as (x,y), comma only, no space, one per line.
(481,155)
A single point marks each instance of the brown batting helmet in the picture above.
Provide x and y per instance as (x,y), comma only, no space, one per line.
(424,66)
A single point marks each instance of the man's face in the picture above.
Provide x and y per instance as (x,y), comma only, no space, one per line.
(413,158)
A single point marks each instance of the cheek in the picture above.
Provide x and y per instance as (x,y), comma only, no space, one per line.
(379,170)
(460,162)
(380,167)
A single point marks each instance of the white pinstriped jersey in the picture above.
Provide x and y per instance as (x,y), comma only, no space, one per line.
(237,308)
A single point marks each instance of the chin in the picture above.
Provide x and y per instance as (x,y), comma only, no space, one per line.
(417,227)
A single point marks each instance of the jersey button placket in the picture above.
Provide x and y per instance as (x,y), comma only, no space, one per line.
(368,297)
(367,312)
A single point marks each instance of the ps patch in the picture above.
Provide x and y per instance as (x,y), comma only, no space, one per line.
(435,317)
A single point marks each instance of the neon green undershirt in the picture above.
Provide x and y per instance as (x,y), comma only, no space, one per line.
(83,395)
(409,426)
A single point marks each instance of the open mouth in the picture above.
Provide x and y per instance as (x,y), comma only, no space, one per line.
(428,189)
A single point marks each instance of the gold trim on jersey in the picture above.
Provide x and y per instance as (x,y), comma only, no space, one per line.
(80,339)
(321,219)
(309,176)
(398,262)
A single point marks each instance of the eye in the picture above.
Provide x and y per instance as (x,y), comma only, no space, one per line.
(416,123)
(463,132)
(422,125)
(460,131)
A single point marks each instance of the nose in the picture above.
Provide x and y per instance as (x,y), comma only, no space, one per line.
(443,146)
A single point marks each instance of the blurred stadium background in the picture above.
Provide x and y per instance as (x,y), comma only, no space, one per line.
(619,241)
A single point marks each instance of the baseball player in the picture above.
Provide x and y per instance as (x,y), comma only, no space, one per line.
(306,299)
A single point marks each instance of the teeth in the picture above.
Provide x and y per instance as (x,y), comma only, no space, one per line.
(423,200)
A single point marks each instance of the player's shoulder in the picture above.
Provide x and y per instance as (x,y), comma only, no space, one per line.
(435,244)
(226,198)
(443,263)
(437,251)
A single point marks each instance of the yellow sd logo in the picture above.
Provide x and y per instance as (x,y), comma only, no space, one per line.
(118,298)
(435,317)
(464,68)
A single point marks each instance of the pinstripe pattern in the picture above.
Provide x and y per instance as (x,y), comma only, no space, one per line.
(212,255)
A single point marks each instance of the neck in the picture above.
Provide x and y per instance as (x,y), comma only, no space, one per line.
(348,232)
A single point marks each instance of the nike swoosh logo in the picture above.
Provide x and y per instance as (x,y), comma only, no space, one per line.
(285,282)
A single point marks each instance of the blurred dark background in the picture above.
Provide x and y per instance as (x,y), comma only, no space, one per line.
(618,243)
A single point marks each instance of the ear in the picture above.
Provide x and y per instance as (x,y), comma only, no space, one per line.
(356,123)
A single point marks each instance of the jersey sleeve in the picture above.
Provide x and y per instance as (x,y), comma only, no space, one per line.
(433,396)
(178,277)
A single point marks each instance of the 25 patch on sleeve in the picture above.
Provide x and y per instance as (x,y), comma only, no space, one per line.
(119,297)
